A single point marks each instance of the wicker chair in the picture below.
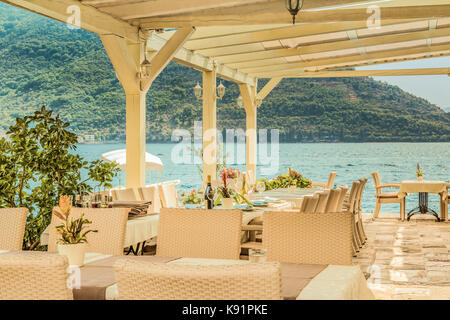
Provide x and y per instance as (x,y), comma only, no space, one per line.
(201,233)
(323,199)
(448,203)
(151,193)
(138,280)
(33,276)
(308,238)
(129,194)
(12,228)
(111,226)
(333,199)
(340,202)
(387,197)
(310,203)
(168,195)
(326,185)
(358,208)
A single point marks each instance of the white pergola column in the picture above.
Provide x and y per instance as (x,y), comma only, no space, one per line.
(248,94)
(209,126)
(135,139)
(126,58)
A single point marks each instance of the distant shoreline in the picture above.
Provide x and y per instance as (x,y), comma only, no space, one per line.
(302,142)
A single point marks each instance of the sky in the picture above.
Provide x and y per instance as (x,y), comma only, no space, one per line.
(435,89)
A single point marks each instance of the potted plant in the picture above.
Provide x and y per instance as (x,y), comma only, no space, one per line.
(72,242)
(192,198)
(225,192)
(419,173)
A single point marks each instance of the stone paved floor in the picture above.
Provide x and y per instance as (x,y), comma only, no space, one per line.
(406,260)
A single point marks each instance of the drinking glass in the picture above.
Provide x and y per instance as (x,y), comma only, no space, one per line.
(260,186)
(257,255)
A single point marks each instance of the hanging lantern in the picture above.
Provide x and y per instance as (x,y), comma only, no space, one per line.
(146,69)
(220,91)
(240,102)
(294,7)
(198,91)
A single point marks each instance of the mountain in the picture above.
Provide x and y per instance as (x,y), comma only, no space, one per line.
(45,63)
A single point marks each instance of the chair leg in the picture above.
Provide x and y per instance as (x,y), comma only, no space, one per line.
(361,225)
(402,209)
(377,209)
(358,236)
(362,237)
(356,243)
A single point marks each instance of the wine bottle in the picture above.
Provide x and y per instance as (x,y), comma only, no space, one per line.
(244,190)
(209,194)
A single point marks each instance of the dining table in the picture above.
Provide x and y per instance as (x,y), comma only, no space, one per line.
(423,188)
(95,280)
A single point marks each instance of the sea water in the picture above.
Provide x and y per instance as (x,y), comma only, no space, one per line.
(394,161)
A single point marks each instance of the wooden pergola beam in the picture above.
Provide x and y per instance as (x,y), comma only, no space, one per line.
(200,62)
(239,60)
(275,13)
(166,53)
(374,73)
(299,71)
(204,45)
(90,18)
(351,58)
(264,92)
(127,10)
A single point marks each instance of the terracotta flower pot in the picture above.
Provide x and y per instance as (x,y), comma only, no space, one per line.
(74,252)
(227,203)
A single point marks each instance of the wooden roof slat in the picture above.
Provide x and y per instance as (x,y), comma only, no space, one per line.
(280,33)
(378,55)
(275,13)
(92,20)
(351,64)
(333,46)
(375,73)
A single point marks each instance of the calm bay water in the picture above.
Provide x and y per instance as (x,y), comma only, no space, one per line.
(394,161)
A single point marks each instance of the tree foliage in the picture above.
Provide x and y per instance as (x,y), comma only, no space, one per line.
(38,164)
(45,63)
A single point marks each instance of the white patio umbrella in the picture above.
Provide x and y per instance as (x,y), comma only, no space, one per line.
(152,162)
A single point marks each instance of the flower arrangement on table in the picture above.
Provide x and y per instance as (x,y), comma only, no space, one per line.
(287,180)
(419,172)
(192,197)
(72,232)
(227,194)
(230,173)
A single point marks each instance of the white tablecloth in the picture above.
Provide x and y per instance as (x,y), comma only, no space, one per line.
(141,229)
(138,230)
(333,283)
(338,283)
(439,187)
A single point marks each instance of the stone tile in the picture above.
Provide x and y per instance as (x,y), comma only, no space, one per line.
(406,260)
(437,257)
(408,276)
(438,277)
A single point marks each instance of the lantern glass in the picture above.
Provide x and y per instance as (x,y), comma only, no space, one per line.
(146,69)
(198,91)
(294,7)
(240,102)
(221,91)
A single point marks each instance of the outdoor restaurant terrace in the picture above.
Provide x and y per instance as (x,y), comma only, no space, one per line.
(316,240)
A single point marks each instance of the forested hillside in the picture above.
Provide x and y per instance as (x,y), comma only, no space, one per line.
(45,63)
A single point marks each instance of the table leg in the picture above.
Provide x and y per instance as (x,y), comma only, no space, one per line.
(423,207)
